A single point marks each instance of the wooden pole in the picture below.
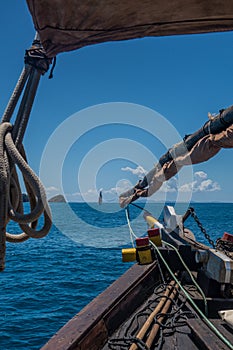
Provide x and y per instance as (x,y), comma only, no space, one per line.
(156,326)
(150,319)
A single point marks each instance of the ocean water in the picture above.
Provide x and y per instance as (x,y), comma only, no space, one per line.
(47,281)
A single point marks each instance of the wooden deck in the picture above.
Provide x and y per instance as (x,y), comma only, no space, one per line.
(191,333)
(115,314)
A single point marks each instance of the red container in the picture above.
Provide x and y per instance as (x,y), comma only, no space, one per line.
(152,232)
(140,242)
(227,237)
(154,236)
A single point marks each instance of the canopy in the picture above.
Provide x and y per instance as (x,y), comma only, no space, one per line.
(65,25)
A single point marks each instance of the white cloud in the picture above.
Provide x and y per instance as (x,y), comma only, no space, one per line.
(170,185)
(201,183)
(109,195)
(200,174)
(51,189)
(186,187)
(139,171)
(122,186)
(209,185)
(92,195)
(89,196)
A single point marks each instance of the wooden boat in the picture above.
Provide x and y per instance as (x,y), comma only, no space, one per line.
(153,305)
(147,309)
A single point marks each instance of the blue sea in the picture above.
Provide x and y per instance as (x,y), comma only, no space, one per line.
(47,281)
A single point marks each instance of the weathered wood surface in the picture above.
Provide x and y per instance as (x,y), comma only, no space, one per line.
(180,340)
(91,327)
(205,338)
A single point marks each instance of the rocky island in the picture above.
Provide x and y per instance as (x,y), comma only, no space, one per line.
(58,199)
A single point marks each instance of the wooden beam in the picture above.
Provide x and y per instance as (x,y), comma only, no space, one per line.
(204,337)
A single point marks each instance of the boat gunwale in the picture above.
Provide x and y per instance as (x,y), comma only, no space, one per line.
(103,315)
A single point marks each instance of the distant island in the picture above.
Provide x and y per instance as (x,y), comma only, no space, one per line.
(58,199)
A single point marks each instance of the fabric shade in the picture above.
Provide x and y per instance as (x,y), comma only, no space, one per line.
(65,25)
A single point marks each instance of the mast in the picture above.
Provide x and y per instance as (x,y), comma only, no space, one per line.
(100,197)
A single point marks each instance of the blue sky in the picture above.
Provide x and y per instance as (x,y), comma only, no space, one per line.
(181,78)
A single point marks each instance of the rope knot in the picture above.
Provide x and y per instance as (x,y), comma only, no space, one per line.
(35,56)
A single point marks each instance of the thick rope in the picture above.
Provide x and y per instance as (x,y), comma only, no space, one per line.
(31,177)
(26,106)
(16,94)
(10,193)
(3,196)
(12,154)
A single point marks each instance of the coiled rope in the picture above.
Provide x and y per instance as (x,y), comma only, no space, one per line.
(141,330)
(12,155)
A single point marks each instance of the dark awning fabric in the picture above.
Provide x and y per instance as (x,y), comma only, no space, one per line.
(65,25)
(204,149)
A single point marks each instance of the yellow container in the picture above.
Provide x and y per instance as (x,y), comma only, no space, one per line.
(144,255)
(128,254)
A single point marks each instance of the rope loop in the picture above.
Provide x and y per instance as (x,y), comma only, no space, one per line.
(12,157)
(11,203)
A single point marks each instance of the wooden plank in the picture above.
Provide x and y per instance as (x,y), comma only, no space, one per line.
(98,333)
(204,337)
(224,328)
(105,311)
(214,304)
(180,340)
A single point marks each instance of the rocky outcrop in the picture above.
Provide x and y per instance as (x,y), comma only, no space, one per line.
(58,199)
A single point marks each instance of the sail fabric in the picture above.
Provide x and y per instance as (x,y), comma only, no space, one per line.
(65,25)
(206,148)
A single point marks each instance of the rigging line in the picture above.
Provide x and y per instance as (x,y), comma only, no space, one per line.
(132,234)
(16,94)
(160,268)
(190,274)
(204,318)
(26,106)
(157,223)
(138,206)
